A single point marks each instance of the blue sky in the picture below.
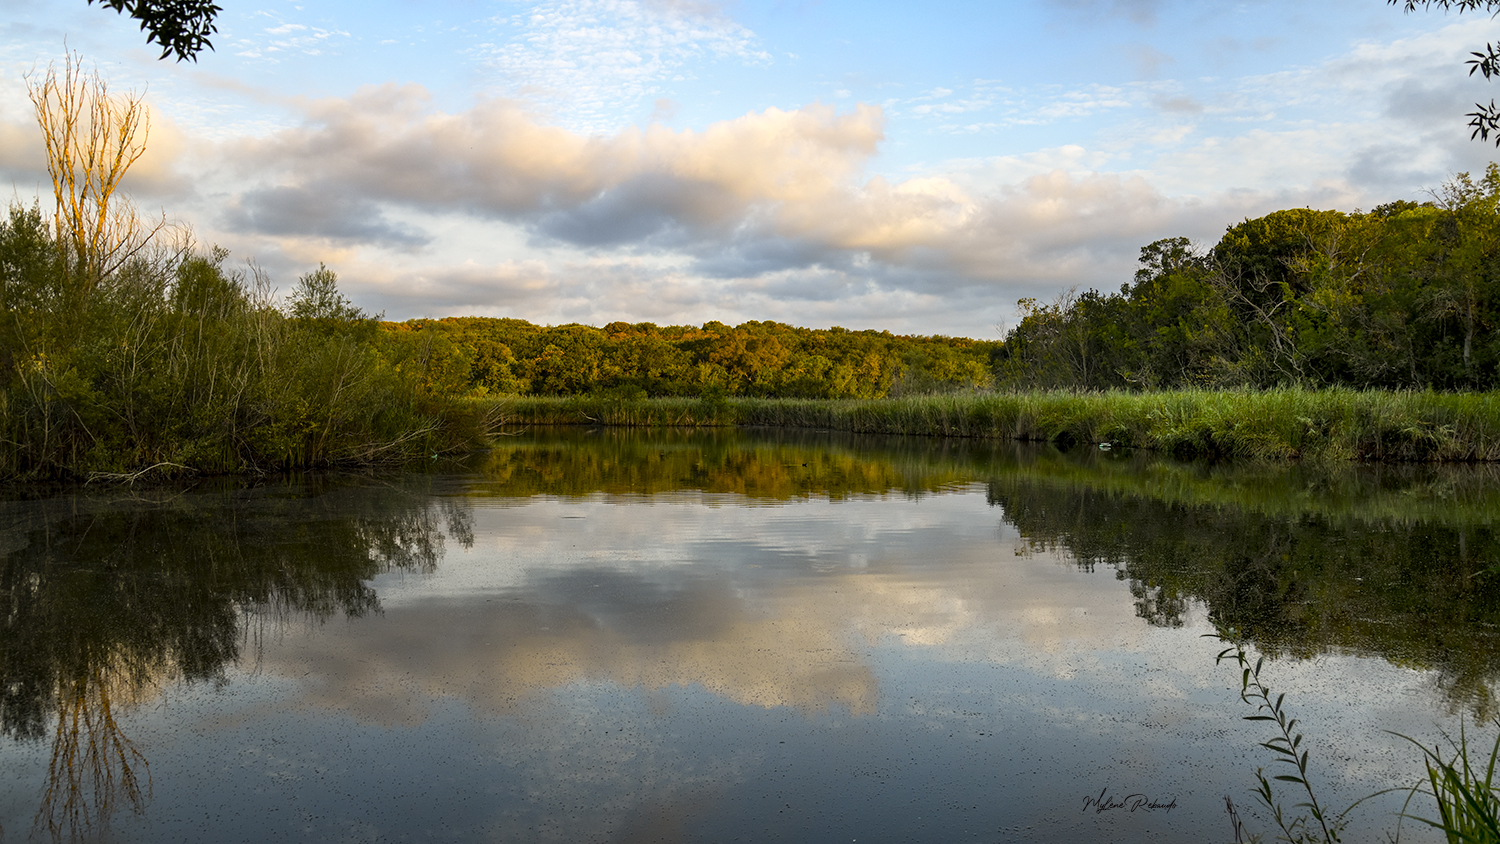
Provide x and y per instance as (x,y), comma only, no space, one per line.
(916,167)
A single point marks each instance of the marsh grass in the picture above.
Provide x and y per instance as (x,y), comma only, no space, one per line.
(1278,424)
(1468,807)
(1466,799)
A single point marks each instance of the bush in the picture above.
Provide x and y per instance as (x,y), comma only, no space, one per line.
(178,363)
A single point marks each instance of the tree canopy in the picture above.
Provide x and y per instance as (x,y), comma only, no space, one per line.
(177,26)
(1406,296)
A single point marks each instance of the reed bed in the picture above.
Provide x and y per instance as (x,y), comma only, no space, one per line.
(1282,424)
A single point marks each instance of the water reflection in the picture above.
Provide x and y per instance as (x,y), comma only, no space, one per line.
(608,587)
(763,466)
(1401,562)
(1346,573)
(110,598)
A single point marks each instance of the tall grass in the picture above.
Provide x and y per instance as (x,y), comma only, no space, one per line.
(1468,807)
(1282,423)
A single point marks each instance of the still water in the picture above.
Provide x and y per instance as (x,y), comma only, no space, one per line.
(734,636)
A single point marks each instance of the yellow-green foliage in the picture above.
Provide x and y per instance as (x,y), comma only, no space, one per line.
(580,462)
(763,359)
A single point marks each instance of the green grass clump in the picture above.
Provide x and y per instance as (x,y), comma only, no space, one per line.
(1468,807)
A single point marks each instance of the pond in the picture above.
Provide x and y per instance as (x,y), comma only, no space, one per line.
(610,635)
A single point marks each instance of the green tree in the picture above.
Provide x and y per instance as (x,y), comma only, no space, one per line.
(1257,271)
(317,297)
(1462,284)
(1052,346)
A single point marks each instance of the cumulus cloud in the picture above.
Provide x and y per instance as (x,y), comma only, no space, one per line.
(318,211)
(766,192)
(769,215)
(497,161)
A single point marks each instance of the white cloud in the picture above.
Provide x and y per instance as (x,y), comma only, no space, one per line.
(769,215)
(271,43)
(598,58)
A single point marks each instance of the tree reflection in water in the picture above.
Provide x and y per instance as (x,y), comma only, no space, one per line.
(109,598)
(94,767)
(106,599)
(1418,592)
(1400,562)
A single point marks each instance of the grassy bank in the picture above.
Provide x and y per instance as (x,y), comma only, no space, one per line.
(1279,424)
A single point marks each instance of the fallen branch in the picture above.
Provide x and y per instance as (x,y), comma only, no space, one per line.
(131,477)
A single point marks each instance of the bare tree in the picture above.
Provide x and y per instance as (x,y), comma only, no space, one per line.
(92,139)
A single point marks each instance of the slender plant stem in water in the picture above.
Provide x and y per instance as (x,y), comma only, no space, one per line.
(1317,824)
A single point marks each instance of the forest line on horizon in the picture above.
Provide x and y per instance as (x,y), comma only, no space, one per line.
(126,347)
(1406,296)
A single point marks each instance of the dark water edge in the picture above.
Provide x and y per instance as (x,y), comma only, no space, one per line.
(614,634)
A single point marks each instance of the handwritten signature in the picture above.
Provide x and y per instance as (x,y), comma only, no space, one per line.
(1130,803)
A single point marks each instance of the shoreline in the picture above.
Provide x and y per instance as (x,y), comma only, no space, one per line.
(1278,424)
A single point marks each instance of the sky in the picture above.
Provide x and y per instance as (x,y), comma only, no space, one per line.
(912,167)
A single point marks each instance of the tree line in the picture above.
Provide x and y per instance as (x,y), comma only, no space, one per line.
(484,356)
(1406,296)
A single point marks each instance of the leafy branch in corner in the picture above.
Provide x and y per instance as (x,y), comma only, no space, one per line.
(177,26)
(1486,118)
